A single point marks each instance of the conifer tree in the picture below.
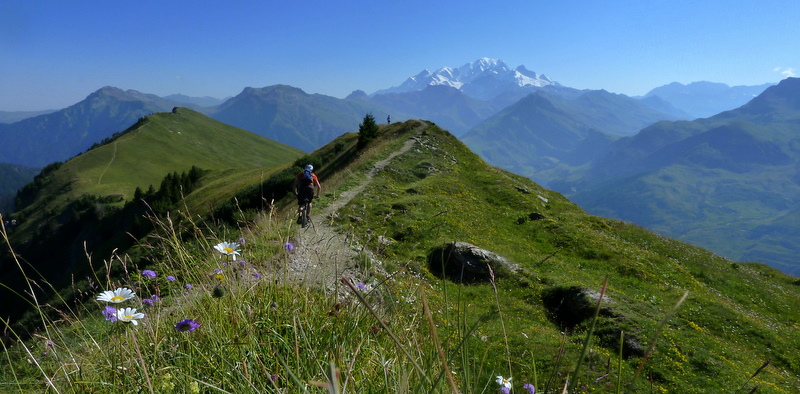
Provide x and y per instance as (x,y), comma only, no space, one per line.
(367,131)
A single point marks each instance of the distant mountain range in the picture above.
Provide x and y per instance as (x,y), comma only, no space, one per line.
(483,79)
(515,118)
(730,183)
(704,99)
(549,129)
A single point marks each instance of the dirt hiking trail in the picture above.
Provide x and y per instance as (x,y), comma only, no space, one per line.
(322,255)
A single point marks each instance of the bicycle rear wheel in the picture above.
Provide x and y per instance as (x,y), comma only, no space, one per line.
(304,219)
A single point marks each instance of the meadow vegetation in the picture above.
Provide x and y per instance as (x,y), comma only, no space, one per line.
(596,305)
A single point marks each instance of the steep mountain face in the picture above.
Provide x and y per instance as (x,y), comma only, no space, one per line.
(551,128)
(704,99)
(729,182)
(38,141)
(293,117)
(482,79)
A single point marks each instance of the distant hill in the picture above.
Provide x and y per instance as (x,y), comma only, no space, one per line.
(550,129)
(704,99)
(82,205)
(730,182)
(291,116)
(41,140)
(143,154)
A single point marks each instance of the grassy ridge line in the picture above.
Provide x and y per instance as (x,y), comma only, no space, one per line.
(162,143)
(444,193)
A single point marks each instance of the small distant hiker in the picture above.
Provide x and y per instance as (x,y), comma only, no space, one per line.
(304,185)
(388,119)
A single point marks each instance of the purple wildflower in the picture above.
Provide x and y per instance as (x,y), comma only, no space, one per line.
(154,298)
(288,246)
(217,270)
(187,286)
(505,390)
(361,286)
(274,377)
(147,301)
(242,263)
(241,240)
(530,388)
(149,274)
(186,325)
(110,313)
(256,275)
(170,278)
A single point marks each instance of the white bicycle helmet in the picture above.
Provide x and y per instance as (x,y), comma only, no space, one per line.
(309,167)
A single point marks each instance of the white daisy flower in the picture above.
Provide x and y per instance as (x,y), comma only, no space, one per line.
(505,382)
(228,248)
(116,296)
(129,315)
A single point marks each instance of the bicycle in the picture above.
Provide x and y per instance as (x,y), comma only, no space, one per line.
(304,218)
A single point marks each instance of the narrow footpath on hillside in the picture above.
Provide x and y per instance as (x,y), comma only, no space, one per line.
(322,255)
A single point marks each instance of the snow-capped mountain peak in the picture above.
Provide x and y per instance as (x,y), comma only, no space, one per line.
(481,79)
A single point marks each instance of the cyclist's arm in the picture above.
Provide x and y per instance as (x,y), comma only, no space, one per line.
(319,187)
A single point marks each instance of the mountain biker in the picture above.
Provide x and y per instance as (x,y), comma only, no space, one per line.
(304,185)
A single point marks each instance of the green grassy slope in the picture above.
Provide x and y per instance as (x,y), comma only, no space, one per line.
(84,205)
(527,323)
(140,157)
(736,316)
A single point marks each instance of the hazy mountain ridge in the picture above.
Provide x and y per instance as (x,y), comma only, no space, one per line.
(704,99)
(16,116)
(728,182)
(548,129)
(291,116)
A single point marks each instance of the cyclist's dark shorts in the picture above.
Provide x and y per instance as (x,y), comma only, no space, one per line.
(305,192)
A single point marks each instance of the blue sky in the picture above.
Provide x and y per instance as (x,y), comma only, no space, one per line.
(55,53)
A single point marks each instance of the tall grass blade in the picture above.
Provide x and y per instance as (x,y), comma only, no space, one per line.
(437,343)
(386,329)
(576,375)
(658,332)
